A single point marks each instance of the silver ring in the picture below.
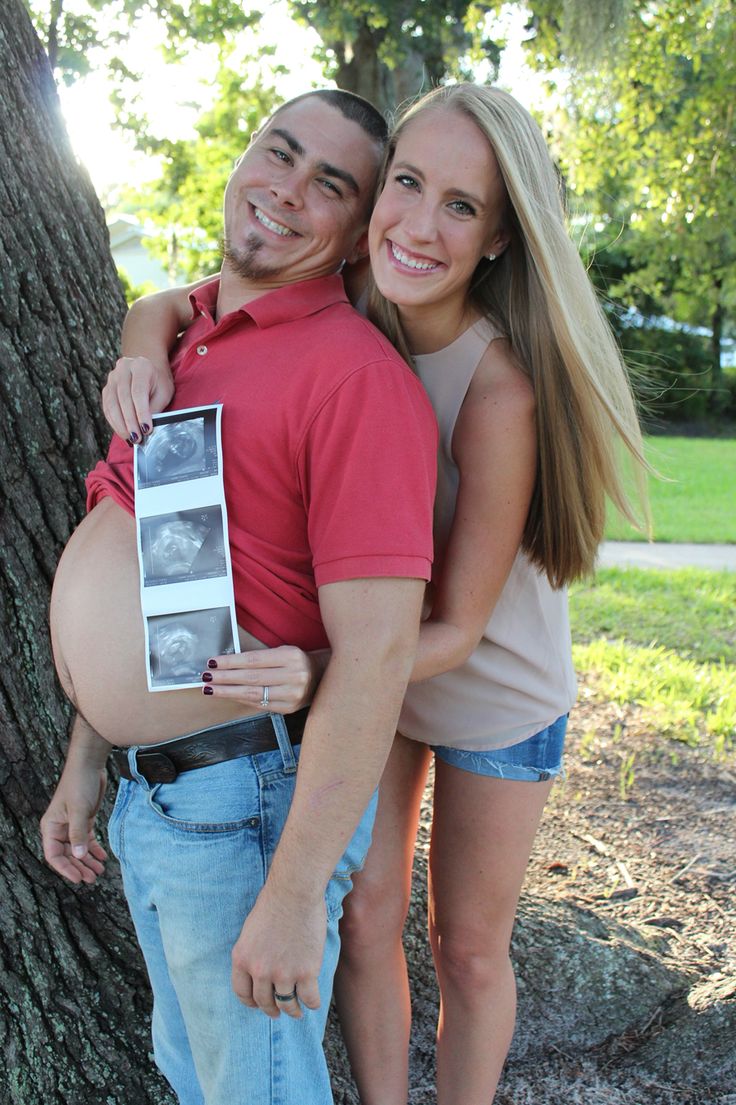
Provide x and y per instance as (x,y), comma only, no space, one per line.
(266,698)
(285,997)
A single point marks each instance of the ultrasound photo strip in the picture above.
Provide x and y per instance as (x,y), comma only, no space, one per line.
(183,549)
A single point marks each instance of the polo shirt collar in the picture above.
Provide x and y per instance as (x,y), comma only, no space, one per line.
(287,304)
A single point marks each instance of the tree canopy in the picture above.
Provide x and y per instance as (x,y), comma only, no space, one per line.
(647,139)
(643,127)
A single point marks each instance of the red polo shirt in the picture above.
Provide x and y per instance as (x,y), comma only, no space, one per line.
(329,446)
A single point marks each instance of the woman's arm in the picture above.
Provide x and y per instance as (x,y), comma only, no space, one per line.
(495,449)
(141,384)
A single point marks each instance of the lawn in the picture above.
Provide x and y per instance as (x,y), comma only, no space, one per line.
(697,500)
(665,640)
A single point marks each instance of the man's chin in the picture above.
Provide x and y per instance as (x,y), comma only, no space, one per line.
(248,264)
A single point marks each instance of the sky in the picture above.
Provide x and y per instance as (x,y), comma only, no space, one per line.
(167,93)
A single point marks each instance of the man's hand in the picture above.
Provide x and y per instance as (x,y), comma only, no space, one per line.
(136,389)
(279,950)
(67,827)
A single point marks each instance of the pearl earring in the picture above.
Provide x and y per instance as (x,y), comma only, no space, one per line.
(491,256)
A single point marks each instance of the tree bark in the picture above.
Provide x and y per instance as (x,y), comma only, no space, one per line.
(73,996)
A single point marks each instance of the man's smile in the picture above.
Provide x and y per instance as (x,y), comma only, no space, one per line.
(270,224)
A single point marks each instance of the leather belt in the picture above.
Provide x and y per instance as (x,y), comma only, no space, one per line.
(247,736)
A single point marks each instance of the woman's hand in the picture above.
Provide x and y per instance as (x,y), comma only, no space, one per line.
(290,675)
(135,389)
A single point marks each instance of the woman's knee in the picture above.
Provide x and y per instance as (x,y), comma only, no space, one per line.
(470,962)
(374,914)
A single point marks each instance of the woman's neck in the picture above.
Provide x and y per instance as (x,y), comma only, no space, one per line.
(432,327)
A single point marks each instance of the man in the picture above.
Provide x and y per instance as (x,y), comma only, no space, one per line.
(329,446)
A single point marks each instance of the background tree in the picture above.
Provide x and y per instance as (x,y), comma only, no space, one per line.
(647,139)
(393,50)
(185,201)
(71,30)
(73,992)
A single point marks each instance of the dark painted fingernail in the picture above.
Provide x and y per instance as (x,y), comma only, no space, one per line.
(212,663)
(134,437)
(206,676)
(145,428)
(208,690)
(129,442)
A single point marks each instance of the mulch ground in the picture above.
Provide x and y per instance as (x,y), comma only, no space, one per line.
(642,830)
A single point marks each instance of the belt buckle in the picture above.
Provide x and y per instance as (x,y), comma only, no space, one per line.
(160,766)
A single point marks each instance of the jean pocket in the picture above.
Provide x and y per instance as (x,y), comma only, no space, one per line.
(220,798)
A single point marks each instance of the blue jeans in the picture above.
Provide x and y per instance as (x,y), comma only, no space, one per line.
(534,760)
(194,855)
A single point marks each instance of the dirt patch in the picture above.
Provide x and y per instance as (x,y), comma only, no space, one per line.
(642,831)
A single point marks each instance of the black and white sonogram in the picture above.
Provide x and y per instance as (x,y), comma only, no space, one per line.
(186,545)
(182,447)
(179,645)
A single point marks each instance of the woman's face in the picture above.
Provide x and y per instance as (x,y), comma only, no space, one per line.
(440,211)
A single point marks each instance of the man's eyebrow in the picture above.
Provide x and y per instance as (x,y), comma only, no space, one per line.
(323,166)
(339,174)
(291,142)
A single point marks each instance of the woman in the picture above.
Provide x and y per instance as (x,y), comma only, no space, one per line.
(476,281)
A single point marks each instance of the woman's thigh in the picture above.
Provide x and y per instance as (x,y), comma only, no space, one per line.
(483,830)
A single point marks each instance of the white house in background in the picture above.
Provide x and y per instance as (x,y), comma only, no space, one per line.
(127,236)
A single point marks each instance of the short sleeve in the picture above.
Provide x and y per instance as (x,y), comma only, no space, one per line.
(367,471)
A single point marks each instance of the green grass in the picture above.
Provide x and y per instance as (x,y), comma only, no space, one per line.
(699,504)
(690,610)
(665,640)
(690,702)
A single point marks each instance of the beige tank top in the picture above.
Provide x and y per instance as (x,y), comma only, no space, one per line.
(520,678)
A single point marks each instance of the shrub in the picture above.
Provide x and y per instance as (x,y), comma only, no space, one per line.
(670,368)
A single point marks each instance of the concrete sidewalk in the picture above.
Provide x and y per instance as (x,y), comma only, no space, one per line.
(639,554)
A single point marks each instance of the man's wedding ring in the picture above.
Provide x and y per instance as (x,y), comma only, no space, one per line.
(265,699)
(285,997)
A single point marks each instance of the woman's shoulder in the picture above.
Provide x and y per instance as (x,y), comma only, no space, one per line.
(501,379)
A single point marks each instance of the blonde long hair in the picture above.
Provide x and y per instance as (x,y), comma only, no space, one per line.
(538,293)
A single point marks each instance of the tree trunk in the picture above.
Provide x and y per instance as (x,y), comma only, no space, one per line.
(360,69)
(73,996)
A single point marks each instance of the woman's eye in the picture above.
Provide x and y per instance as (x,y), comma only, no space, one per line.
(462,207)
(406,181)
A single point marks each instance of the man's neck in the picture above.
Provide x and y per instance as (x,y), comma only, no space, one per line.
(235,291)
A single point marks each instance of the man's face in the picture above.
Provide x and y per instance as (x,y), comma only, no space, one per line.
(298,201)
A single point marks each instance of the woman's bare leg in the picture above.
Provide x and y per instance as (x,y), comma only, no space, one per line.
(482,833)
(371,985)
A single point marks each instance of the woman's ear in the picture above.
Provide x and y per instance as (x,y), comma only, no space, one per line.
(498,243)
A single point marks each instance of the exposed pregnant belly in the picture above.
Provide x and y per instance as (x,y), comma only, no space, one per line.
(97,634)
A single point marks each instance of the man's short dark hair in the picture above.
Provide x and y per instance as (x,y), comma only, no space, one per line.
(351,106)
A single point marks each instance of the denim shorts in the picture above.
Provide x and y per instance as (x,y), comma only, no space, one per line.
(534,760)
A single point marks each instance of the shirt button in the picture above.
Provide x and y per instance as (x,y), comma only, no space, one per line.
(201,349)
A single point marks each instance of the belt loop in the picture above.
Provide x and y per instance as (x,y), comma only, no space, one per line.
(285,748)
(132,753)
